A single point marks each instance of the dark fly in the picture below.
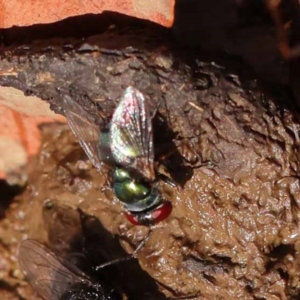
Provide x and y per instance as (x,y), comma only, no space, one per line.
(55,278)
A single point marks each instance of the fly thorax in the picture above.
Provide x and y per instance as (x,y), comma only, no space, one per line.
(134,194)
(105,153)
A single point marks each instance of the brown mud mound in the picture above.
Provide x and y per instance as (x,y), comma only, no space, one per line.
(234,229)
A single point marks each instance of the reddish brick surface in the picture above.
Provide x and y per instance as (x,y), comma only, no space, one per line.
(20,136)
(29,12)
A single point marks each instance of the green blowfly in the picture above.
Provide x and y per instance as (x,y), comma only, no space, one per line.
(126,144)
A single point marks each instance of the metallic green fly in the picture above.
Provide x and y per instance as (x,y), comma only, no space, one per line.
(126,144)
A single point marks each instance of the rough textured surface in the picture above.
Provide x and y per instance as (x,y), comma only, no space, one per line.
(25,13)
(98,68)
(234,230)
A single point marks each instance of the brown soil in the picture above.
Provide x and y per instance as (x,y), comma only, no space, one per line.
(234,228)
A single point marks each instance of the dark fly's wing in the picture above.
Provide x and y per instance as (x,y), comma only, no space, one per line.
(131,133)
(84,128)
(49,275)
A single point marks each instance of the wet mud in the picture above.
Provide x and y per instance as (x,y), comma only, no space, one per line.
(234,229)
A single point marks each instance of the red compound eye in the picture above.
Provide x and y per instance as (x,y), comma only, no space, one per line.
(154,216)
(133,219)
(161,212)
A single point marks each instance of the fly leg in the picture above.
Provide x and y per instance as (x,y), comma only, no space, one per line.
(129,257)
(188,158)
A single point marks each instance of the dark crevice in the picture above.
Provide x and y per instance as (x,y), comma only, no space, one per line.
(7,192)
(73,27)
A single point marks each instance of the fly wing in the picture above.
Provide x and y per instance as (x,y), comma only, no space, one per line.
(84,128)
(132,135)
(49,275)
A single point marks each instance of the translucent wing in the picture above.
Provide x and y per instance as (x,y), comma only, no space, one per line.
(49,275)
(131,133)
(84,128)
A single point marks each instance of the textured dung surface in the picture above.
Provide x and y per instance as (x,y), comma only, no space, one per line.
(234,229)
